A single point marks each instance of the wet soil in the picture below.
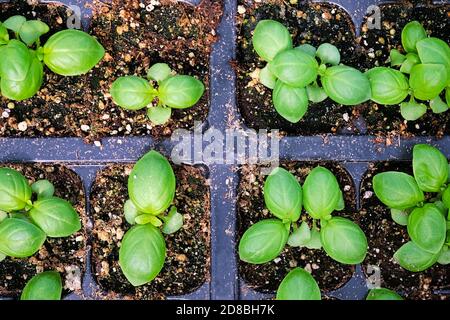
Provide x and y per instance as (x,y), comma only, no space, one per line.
(187,263)
(65,255)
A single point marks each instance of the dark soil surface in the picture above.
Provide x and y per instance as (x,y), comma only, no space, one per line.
(318,23)
(65,255)
(329,274)
(386,237)
(187,263)
(135,35)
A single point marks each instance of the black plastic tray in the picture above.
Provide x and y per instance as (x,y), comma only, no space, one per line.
(354,152)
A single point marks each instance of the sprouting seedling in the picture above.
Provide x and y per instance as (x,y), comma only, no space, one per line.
(151,187)
(427,222)
(160,92)
(424,75)
(383,294)
(67,53)
(320,196)
(302,74)
(26,224)
(298,285)
(43,286)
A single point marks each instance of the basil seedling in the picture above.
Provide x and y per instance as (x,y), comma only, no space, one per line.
(320,196)
(298,285)
(26,224)
(427,222)
(67,53)
(151,187)
(294,74)
(43,286)
(427,63)
(160,92)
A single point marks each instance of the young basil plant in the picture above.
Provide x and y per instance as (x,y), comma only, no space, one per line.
(302,74)
(43,286)
(298,285)
(151,187)
(26,223)
(427,222)
(427,63)
(320,196)
(160,92)
(67,53)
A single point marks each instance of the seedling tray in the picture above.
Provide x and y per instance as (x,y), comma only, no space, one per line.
(354,152)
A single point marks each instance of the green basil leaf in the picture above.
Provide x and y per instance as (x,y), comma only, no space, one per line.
(142,254)
(267,78)
(2,257)
(389,86)
(21,72)
(4,36)
(414,259)
(315,93)
(341,204)
(383,294)
(151,184)
(270,38)
(132,93)
(446,197)
(56,217)
(308,49)
(43,189)
(346,85)
(412,33)
(397,58)
(438,106)
(444,256)
(301,236)
(428,80)
(447,96)
(159,72)
(295,68)
(283,195)
(344,241)
(20,238)
(63,58)
(427,228)
(15,191)
(430,168)
(3,215)
(400,216)
(32,30)
(291,103)
(434,51)
(397,190)
(263,241)
(315,243)
(412,111)
(159,115)
(412,59)
(14,23)
(147,218)
(321,193)
(298,285)
(173,221)
(328,54)
(180,92)
(442,208)
(43,286)
(131,212)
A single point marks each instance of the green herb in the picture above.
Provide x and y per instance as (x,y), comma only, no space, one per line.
(43,286)
(298,285)
(23,56)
